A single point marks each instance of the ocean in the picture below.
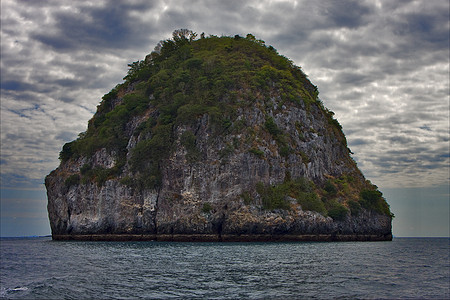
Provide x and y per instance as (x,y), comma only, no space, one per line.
(406,268)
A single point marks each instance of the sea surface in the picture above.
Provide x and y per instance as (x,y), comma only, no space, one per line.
(408,268)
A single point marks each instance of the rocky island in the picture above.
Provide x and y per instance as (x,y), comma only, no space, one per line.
(213,139)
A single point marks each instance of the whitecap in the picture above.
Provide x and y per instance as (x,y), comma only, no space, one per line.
(17,289)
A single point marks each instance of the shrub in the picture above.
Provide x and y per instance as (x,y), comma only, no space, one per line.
(304,191)
(257,152)
(72,180)
(373,200)
(330,188)
(355,207)
(85,169)
(271,127)
(371,197)
(136,103)
(285,150)
(188,140)
(206,207)
(299,128)
(247,198)
(305,157)
(194,63)
(101,175)
(147,155)
(106,104)
(150,179)
(145,128)
(273,197)
(226,151)
(189,113)
(127,180)
(336,210)
(277,134)
(66,152)
(310,201)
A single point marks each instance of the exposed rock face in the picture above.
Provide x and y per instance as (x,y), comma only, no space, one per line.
(270,170)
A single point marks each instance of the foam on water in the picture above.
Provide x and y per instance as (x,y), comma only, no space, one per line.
(6,292)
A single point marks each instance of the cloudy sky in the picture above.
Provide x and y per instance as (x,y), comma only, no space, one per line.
(381,66)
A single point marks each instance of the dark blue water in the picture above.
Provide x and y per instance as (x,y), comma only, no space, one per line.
(404,268)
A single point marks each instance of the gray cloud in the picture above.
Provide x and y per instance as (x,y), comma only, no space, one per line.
(109,26)
(382,67)
(347,14)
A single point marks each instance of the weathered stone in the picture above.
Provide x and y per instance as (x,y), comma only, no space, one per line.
(176,208)
(200,197)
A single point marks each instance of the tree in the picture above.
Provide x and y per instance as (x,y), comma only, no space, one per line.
(135,67)
(181,35)
(158,47)
(250,37)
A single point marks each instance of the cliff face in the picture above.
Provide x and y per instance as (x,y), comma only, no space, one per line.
(186,150)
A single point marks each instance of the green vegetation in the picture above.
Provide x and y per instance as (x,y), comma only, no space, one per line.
(305,192)
(182,80)
(355,207)
(279,136)
(301,189)
(247,198)
(330,188)
(225,152)
(212,78)
(98,174)
(206,207)
(257,152)
(333,125)
(148,155)
(336,210)
(310,201)
(299,128)
(127,180)
(307,195)
(272,197)
(188,140)
(343,187)
(73,179)
(271,127)
(305,157)
(356,196)
(285,150)
(373,200)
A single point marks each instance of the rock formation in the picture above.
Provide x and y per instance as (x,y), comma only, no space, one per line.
(213,139)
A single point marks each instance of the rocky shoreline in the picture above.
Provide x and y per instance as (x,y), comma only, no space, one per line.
(254,158)
(223,238)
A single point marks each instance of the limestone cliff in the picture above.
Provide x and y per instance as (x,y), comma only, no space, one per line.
(213,139)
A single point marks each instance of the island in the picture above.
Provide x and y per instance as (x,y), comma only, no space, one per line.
(213,139)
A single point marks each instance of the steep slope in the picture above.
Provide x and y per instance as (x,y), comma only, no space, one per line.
(216,138)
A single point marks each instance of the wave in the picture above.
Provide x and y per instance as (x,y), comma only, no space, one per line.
(4,291)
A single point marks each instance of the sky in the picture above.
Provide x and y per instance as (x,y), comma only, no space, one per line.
(381,66)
